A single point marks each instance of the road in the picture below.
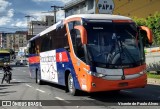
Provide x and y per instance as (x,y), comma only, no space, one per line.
(22,87)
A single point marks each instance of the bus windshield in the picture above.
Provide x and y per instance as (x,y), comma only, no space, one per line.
(113,44)
(4,57)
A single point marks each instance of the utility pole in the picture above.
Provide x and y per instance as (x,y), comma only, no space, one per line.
(55,9)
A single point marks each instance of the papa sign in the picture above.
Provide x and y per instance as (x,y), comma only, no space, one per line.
(105,6)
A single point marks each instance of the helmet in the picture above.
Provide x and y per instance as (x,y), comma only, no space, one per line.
(5,63)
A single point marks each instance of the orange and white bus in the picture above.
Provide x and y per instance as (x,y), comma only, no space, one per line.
(90,52)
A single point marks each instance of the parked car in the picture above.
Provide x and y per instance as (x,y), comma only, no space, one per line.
(21,62)
(25,62)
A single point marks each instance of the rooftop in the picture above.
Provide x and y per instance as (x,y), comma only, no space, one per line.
(72,3)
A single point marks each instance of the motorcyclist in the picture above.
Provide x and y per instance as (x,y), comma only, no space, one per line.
(6,68)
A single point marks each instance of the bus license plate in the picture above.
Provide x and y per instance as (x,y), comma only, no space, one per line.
(123,84)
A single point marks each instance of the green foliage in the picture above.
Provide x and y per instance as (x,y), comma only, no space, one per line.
(153,22)
(139,21)
(152,75)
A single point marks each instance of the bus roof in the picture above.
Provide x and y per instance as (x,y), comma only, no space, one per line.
(85,16)
(53,27)
(4,51)
(100,16)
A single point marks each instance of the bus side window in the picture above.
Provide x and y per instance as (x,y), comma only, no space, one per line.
(32,47)
(58,38)
(77,44)
(45,44)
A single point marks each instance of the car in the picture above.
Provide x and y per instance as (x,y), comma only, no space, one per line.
(21,62)
(25,62)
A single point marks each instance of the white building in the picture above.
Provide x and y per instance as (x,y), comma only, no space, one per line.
(15,40)
(89,7)
(36,27)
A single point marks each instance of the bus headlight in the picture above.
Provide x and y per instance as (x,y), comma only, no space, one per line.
(142,72)
(96,74)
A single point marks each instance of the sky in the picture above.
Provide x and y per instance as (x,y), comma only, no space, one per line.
(13,12)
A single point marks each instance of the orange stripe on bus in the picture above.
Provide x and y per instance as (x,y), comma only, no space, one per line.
(35,59)
(72,19)
(122,21)
(135,70)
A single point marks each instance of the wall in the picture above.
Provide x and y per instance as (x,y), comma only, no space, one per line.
(131,8)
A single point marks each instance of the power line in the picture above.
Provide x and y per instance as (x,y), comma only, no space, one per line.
(55,9)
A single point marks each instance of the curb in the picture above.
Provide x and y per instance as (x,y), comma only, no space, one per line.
(153,81)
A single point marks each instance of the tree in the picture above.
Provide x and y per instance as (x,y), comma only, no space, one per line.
(140,21)
(153,22)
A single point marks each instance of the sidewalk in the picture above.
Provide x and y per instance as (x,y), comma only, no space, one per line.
(153,81)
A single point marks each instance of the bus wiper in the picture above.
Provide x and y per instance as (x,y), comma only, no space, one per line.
(129,55)
(122,51)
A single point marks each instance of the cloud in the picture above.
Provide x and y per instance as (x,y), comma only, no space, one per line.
(10,13)
(18,25)
(7,18)
(39,15)
(4,20)
(6,14)
(60,15)
(3,5)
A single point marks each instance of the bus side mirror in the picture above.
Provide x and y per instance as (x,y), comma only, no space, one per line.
(83,33)
(149,33)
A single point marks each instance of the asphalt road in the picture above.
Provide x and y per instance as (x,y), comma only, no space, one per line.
(22,87)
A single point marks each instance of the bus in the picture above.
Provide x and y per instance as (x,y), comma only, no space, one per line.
(4,57)
(90,52)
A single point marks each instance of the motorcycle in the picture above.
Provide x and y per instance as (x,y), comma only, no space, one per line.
(7,77)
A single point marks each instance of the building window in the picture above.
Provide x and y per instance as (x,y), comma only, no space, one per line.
(90,4)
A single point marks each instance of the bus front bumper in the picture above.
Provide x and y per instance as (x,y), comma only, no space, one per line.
(99,84)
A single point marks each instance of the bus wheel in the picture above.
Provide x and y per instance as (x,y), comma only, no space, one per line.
(71,86)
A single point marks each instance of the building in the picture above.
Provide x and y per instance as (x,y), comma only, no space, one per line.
(3,40)
(22,52)
(49,20)
(0,40)
(36,27)
(15,40)
(131,8)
